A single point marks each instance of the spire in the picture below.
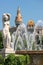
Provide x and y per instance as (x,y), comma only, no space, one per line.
(18,19)
(18,11)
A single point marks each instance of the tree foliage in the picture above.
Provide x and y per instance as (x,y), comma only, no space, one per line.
(12,60)
(1,60)
(1,41)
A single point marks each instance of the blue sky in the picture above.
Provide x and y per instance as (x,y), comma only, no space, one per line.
(30,9)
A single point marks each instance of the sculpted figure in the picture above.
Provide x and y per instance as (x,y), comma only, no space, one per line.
(6,33)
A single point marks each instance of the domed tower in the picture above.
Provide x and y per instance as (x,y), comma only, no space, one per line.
(30,26)
(18,19)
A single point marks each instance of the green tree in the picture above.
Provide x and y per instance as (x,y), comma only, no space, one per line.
(1,60)
(1,41)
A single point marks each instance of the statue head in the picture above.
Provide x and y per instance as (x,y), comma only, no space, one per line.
(6,19)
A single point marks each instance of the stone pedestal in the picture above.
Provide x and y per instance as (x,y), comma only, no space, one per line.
(6,51)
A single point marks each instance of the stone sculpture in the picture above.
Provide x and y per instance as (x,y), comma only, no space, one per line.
(6,33)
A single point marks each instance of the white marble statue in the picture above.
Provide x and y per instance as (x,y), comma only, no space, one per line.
(6,33)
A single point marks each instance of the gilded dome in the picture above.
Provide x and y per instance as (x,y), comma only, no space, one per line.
(30,23)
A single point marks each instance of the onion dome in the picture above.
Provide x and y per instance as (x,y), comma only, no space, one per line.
(18,19)
(30,23)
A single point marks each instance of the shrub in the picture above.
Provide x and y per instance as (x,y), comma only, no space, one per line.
(24,59)
(1,60)
(27,61)
(10,59)
(17,60)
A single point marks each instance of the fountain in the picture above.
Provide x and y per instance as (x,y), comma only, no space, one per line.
(26,40)
(23,42)
(21,36)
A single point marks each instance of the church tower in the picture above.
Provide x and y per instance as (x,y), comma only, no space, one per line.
(18,19)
